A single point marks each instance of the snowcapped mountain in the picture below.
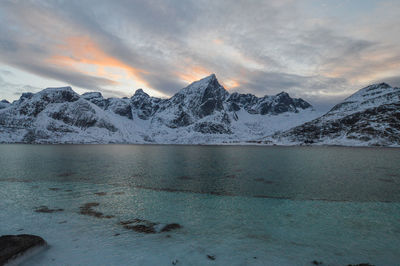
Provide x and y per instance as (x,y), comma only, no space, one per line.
(203,112)
(4,104)
(370,117)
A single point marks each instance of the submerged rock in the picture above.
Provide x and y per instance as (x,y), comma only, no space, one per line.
(141,228)
(262,180)
(13,246)
(361,264)
(148,227)
(170,227)
(315,262)
(136,220)
(86,209)
(184,177)
(45,209)
(66,174)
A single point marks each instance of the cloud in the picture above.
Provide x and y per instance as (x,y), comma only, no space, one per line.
(10,90)
(260,47)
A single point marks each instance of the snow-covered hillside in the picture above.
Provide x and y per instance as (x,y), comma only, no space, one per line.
(203,112)
(369,117)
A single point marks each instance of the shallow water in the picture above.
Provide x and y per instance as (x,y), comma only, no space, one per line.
(244,205)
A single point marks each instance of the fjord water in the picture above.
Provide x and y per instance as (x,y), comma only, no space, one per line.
(243,205)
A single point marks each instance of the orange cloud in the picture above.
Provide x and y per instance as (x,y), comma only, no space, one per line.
(85,55)
(218,41)
(198,72)
(374,65)
(194,73)
(230,84)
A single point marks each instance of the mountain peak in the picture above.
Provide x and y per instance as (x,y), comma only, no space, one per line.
(140,92)
(283,93)
(205,81)
(371,96)
(205,85)
(58,94)
(212,76)
(371,91)
(375,86)
(66,88)
(4,104)
(91,95)
(384,84)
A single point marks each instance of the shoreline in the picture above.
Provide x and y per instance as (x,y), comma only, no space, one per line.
(208,144)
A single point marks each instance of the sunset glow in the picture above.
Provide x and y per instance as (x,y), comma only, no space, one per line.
(85,56)
(306,48)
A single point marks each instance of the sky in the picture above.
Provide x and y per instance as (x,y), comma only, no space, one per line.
(321,51)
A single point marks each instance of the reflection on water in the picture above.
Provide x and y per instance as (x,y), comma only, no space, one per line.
(238,205)
(322,173)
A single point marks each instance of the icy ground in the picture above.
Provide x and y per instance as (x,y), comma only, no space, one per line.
(233,230)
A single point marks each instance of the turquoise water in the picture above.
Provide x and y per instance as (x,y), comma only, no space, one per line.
(244,205)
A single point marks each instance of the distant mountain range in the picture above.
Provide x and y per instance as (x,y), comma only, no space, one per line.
(370,117)
(202,113)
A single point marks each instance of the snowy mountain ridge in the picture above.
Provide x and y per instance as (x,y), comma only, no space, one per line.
(201,113)
(368,97)
(369,117)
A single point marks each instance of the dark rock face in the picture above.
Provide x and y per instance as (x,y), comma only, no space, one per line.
(208,107)
(211,128)
(143,105)
(120,107)
(182,119)
(273,105)
(96,98)
(26,95)
(12,246)
(4,104)
(32,105)
(212,98)
(80,114)
(198,100)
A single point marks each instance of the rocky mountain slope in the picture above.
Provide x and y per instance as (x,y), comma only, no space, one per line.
(203,112)
(370,117)
(4,104)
